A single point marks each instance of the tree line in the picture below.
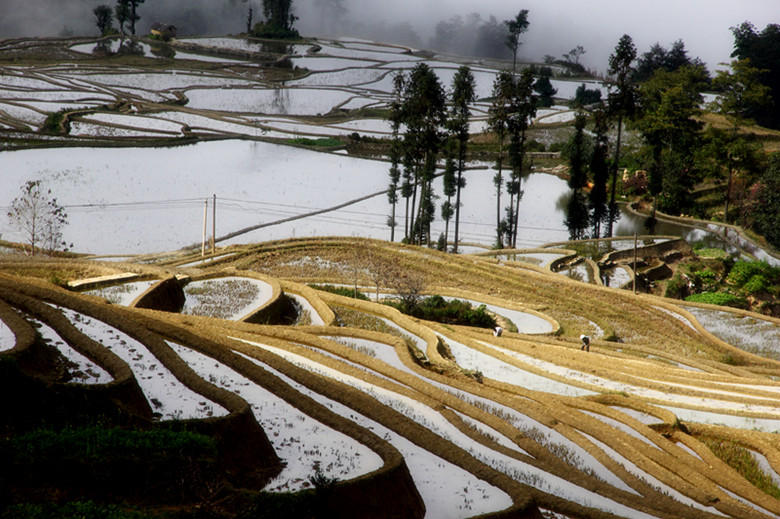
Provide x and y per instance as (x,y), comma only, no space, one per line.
(279,18)
(656,95)
(125,12)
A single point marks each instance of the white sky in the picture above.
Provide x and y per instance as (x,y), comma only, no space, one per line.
(557,26)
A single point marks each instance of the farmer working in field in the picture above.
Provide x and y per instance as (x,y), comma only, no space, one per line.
(585,342)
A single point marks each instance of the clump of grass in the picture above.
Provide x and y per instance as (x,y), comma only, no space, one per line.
(731,360)
(474,374)
(741,460)
(321,482)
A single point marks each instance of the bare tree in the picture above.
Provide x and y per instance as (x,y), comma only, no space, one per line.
(574,55)
(379,269)
(39,217)
(409,286)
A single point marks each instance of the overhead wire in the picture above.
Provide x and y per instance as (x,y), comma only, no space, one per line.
(275,210)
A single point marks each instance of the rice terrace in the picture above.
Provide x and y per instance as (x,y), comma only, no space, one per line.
(231,313)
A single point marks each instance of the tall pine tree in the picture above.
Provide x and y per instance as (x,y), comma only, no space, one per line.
(463,94)
(498,121)
(621,103)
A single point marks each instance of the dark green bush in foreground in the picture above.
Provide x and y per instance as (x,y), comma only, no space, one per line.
(76,510)
(98,442)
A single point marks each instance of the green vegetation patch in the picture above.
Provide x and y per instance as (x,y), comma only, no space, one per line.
(342,291)
(56,123)
(756,285)
(743,271)
(75,510)
(274,32)
(97,442)
(718,298)
(719,254)
(437,309)
(323,142)
(741,460)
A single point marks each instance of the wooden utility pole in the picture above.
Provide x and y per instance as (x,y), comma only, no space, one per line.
(214,226)
(205,216)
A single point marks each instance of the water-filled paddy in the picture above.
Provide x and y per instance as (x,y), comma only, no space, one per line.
(279,101)
(226,298)
(758,336)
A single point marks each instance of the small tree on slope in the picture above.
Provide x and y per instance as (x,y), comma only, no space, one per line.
(39,217)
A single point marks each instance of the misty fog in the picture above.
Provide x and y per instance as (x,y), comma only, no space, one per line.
(556,26)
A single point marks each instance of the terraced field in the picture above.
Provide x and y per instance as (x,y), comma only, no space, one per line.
(318,399)
(456,421)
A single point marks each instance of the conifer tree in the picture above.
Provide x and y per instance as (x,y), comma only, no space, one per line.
(599,169)
(420,109)
(523,112)
(498,121)
(621,104)
(463,94)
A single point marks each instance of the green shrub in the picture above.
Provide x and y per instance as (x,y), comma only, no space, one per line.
(743,271)
(437,309)
(320,481)
(556,147)
(707,275)
(274,32)
(677,287)
(56,123)
(324,142)
(718,298)
(587,96)
(756,285)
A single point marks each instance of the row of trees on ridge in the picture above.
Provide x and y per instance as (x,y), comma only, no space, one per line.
(658,96)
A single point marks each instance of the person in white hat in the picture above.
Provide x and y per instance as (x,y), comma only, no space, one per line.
(585,342)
